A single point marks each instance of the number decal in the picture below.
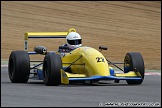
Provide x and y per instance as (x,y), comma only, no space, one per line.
(100,59)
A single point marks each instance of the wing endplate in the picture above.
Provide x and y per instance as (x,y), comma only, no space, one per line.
(64,77)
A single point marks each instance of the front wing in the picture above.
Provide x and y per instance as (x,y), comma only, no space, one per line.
(123,76)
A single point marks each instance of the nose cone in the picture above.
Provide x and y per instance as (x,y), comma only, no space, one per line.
(96,63)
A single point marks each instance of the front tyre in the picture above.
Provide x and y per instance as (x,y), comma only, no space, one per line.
(19,67)
(134,60)
(51,69)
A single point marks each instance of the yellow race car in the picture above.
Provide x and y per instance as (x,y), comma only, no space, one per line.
(83,64)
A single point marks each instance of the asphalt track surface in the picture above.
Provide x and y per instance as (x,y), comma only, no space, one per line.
(36,94)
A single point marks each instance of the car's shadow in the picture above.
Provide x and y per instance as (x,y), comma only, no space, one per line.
(94,85)
(85,84)
(76,84)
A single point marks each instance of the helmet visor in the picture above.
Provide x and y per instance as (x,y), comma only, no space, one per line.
(74,42)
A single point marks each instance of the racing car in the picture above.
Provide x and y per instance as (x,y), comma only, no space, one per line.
(83,64)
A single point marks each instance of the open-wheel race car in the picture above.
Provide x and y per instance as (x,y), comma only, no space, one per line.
(83,64)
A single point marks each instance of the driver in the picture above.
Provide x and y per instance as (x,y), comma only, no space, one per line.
(73,40)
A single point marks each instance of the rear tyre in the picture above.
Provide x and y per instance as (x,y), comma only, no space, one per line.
(134,60)
(19,67)
(51,69)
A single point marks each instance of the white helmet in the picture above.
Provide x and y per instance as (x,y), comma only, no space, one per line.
(73,40)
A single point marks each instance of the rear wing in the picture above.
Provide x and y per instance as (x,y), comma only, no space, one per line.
(45,35)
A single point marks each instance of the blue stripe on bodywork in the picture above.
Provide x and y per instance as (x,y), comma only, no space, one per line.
(37,53)
(105,78)
(32,53)
(40,74)
(111,71)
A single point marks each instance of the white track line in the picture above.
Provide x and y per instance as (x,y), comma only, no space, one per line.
(146,73)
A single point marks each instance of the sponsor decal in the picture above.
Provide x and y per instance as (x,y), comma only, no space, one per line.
(75,36)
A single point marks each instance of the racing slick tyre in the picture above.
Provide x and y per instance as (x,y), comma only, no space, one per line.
(134,62)
(19,67)
(51,69)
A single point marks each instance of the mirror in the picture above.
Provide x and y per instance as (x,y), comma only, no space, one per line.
(40,50)
(102,47)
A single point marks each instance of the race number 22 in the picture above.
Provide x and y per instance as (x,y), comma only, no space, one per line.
(100,59)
